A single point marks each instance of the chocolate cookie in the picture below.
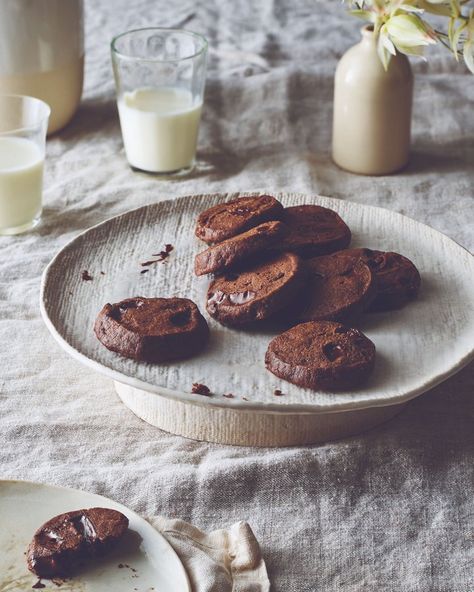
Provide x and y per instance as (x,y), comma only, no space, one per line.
(243,247)
(314,230)
(152,329)
(66,540)
(398,280)
(256,293)
(340,286)
(321,355)
(233,217)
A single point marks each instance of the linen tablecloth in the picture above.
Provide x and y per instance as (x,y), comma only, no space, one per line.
(383,511)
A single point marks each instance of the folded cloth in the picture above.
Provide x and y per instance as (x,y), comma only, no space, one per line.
(227,560)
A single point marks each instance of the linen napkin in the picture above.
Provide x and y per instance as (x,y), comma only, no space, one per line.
(226,560)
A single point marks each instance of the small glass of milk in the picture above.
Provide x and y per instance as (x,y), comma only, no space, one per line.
(160,76)
(23,126)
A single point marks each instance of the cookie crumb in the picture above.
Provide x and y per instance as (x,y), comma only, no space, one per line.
(228,396)
(86,276)
(144,271)
(102,273)
(39,584)
(201,389)
(161,257)
(245,398)
(278,393)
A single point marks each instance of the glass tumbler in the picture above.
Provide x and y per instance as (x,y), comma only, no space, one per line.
(23,125)
(160,76)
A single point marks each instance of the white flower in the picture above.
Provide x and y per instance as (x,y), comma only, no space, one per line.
(409,30)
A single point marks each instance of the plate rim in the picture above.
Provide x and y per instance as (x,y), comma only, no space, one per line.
(107,499)
(234,404)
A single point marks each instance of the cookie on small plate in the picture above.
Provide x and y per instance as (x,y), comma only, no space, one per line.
(340,287)
(398,280)
(256,293)
(321,355)
(234,217)
(314,230)
(152,329)
(239,249)
(62,544)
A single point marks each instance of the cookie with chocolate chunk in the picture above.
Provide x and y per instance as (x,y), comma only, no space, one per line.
(65,541)
(234,217)
(340,287)
(245,247)
(152,329)
(321,355)
(256,293)
(398,280)
(314,230)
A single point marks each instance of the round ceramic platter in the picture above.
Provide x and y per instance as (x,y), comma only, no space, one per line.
(148,561)
(417,347)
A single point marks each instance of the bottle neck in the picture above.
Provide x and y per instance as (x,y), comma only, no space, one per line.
(368,37)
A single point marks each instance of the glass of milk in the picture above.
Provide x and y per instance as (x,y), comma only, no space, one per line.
(23,126)
(160,76)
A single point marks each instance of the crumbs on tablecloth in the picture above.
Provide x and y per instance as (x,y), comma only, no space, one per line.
(228,396)
(278,393)
(86,276)
(201,389)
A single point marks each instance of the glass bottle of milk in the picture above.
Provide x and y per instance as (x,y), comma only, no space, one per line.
(160,77)
(42,53)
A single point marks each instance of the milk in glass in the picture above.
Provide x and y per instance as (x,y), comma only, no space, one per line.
(21,180)
(159,128)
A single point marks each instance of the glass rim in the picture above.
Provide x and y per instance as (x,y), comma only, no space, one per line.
(27,98)
(133,58)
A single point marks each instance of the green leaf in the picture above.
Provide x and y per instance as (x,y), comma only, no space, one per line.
(468,53)
(456,38)
(442,8)
(366,15)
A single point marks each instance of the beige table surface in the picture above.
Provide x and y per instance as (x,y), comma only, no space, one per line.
(388,510)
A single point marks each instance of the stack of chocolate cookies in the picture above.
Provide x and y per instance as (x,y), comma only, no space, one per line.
(292,266)
(287,266)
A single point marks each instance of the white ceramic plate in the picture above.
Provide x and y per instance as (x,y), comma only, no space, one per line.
(417,347)
(25,506)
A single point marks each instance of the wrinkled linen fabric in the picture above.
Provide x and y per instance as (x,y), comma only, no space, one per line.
(226,560)
(387,510)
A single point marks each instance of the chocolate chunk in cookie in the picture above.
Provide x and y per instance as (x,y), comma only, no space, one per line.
(321,355)
(339,287)
(256,293)
(242,248)
(62,543)
(398,280)
(314,230)
(152,329)
(234,217)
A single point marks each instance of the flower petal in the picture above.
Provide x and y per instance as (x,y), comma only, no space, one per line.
(409,30)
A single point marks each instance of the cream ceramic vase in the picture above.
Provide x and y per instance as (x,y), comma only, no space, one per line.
(372,110)
(42,53)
